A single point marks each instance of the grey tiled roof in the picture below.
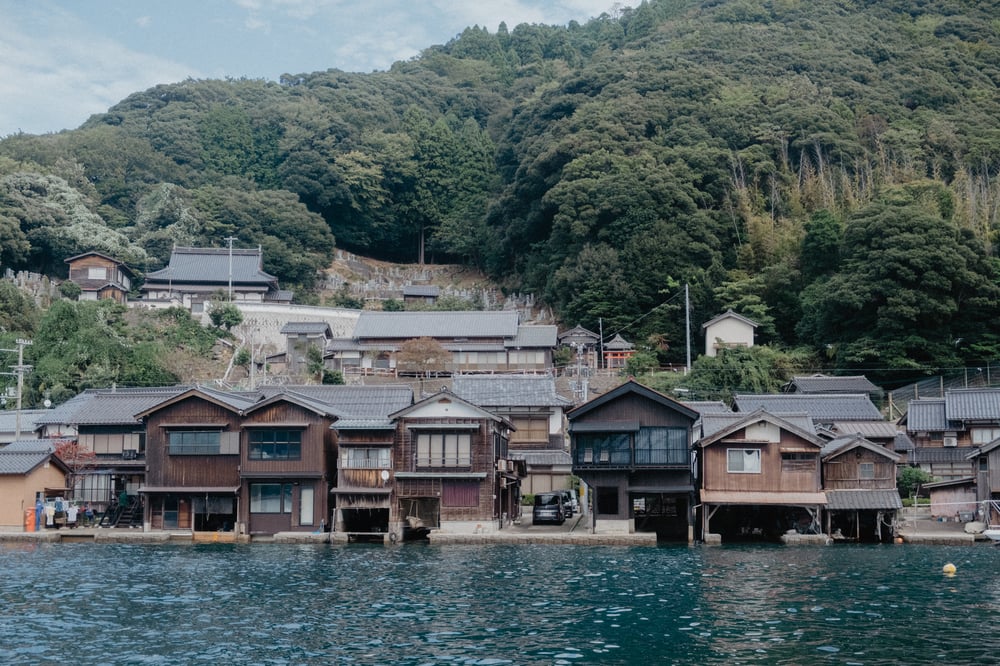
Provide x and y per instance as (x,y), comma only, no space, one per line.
(842,500)
(508,390)
(931,454)
(305,327)
(107,407)
(542,458)
(211,265)
(973,405)
(23,456)
(846,443)
(618,343)
(708,406)
(821,408)
(533,335)
(869,429)
(902,443)
(8,419)
(827,384)
(363,403)
(713,422)
(475,324)
(730,314)
(926,414)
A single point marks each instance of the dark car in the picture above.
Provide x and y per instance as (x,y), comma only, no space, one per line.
(548,509)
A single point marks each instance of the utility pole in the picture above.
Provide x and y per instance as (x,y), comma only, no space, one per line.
(230,239)
(687,328)
(19,371)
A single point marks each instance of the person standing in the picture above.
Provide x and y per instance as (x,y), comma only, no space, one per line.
(88,515)
(39,512)
(71,514)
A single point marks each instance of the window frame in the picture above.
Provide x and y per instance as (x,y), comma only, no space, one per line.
(263,505)
(193,448)
(289,449)
(730,459)
(443,449)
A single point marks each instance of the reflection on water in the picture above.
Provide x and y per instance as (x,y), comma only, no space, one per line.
(421,604)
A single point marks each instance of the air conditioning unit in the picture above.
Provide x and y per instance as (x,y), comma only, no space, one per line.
(950,441)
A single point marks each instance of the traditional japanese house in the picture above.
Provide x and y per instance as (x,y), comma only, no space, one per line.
(760,476)
(824,384)
(728,330)
(986,463)
(286,457)
(584,343)
(452,468)
(193,457)
(100,277)
(632,447)
(537,411)
(859,478)
(954,499)
(946,431)
(104,422)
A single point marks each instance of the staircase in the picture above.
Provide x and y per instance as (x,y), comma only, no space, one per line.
(128,515)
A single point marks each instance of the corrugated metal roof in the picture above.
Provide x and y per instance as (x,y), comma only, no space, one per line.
(474,324)
(869,429)
(843,500)
(534,335)
(926,414)
(508,391)
(827,384)
(364,424)
(821,408)
(973,405)
(775,498)
(212,265)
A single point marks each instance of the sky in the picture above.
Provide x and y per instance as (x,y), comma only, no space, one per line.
(63,60)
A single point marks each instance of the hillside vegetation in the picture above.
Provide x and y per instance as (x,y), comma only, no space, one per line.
(828,168)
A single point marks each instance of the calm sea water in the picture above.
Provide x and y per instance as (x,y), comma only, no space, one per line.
(424,604)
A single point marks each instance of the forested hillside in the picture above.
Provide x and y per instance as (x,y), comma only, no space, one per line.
(827,168)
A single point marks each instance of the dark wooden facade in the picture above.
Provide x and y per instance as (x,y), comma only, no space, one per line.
(632,446)
(198,491)
(303,481)
(364,478)
(100,277)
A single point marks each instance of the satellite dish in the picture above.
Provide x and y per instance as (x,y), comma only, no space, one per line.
(47,403)
(385,475)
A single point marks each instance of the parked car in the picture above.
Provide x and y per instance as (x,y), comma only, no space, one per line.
(570,503)
(548,509)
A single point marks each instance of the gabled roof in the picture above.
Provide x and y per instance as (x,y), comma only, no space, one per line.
(307,328)
(973,404)
(108,406)
(443,324)
(618,343)
(21,457)
(729,314)
(118,262)
(305,402)
(926,414)
(981,450)
(445,394)
(821,408)
(820,383)
(967,481)
(842,445)
(632,386)
(789,424)
(353,403)
(234,402)
(869,429)
(211,265)
(534,336)
(578,334)
(713,422)
(508,391)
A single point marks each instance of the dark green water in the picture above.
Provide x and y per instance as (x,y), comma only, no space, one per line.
(420,604)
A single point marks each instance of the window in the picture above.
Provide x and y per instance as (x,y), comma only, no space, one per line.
(866,470)
(613,448)
(798,462)
(531,430)
(97,273)
(743,461)
(444,449)
(982,436)
(267,444)
(306,495)
(195,442)
(364,458)
(607,500)
(661,446)
(271,498)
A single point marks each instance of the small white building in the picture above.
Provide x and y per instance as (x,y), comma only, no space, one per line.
(728,330)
